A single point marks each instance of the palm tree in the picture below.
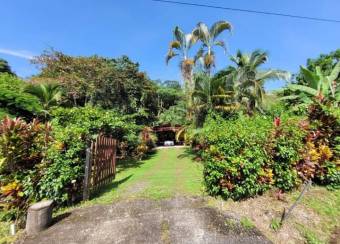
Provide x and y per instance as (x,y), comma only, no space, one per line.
(248,81)
(206,54)
(48,94)
(211,94)
(180,46)
(321,87)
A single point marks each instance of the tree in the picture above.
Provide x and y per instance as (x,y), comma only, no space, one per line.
(168,95)
(172,84)
(208,38)
(5,68)
(106,82)
(180,46)
(211,95)
(247,80)
(319,86)
(174,115)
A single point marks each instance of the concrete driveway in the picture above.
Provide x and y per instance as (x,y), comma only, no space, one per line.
(178,220)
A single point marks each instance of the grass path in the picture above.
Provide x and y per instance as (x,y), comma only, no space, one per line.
(166,173)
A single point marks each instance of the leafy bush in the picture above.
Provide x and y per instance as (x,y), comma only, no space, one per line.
(247,156)
(73,130)
(22,145)
(22,150)
(15,100)
(322,154)
(37,162)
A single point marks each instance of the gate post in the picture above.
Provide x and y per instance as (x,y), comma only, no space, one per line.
(88,166)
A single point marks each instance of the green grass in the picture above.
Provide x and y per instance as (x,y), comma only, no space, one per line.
(310,236)
(275,224)
(5,238)
(247,223)
(326,204)
(166,173)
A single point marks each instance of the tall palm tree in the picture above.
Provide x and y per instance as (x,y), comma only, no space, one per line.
(49,94)
(208,37)
(180,46)
(248,80)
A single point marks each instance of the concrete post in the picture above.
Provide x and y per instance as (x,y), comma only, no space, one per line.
(39,217)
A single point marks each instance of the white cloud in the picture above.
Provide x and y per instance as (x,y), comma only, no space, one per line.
(17,53)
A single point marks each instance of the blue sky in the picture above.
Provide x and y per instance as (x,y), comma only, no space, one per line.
(142,30)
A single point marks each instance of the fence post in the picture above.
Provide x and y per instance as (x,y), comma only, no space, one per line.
(87,177)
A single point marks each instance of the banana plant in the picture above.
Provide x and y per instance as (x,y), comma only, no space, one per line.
(322,88)
(208,37)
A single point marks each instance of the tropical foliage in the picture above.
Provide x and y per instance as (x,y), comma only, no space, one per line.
(248,141)
(317,87)
(14,101)
(73,130)
(247,80)
(248,156)
(109,83)
(5,68)
(23,147)
(49,94)
(326,62)
(181,46)
(208,37)
(211,94)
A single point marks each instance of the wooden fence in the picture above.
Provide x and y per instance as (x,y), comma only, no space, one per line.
(100,165)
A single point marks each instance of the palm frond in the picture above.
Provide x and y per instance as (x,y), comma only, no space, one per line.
(218,27)
(199,54)
(203,32)
(179,35)
(170,55)
(190,40)
(257,58)
(221,44)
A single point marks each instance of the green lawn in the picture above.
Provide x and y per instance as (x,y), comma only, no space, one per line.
(166,173)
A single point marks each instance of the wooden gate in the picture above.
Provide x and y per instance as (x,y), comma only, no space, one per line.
(100,165)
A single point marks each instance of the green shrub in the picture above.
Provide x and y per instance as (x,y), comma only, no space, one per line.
(73,130)
(15,100)
(37,162)
(285,144)
(22,150)
(246,156)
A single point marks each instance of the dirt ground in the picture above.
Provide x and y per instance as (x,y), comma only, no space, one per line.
(177,220)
